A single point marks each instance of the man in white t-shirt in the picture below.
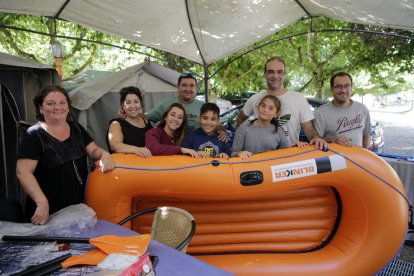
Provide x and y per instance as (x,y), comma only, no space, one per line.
(295,112)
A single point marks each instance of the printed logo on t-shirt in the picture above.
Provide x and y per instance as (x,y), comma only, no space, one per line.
(210,148)
(283,120)
(345,124)
(191,117)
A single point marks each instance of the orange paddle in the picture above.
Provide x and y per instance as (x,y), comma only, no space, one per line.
(135,245)
(92,257)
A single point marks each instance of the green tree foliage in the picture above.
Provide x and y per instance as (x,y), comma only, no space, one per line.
(316,53)
(78,54)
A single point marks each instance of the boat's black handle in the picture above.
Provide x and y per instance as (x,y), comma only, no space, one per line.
(251,178)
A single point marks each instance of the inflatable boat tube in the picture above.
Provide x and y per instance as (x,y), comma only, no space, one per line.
(294,211)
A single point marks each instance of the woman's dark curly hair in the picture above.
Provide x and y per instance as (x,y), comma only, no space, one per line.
(130,90)
(40,97)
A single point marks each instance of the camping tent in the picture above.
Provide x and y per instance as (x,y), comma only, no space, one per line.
(206,31)
(24,78)
(96,101)
(20,81)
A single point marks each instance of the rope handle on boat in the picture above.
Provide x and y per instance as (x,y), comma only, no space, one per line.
(216,163)
(373,174)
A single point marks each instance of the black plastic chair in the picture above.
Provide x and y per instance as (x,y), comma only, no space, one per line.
(171,226)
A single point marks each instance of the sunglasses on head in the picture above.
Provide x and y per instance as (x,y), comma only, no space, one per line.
(188,75)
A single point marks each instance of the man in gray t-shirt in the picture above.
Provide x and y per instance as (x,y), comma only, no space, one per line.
(343,121)
(186,88)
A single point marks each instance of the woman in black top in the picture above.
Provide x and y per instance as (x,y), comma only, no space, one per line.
(127,134)
(52,158)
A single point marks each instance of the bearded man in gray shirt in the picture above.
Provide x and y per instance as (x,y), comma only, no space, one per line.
(343,121)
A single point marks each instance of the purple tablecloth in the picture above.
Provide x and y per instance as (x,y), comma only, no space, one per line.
(170,261)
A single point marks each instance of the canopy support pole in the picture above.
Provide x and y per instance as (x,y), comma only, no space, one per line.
(206,78)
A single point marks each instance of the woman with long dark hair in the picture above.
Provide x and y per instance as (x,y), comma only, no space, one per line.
(168,136)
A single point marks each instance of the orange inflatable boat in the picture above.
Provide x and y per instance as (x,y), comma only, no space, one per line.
(287,212)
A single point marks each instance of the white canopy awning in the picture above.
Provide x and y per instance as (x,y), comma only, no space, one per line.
(207,30)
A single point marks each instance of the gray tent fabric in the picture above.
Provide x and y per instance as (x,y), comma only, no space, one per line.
(81,78)
(207,31)
(20,81)
(9,123)
(97,101)
(15,61)
(25,78)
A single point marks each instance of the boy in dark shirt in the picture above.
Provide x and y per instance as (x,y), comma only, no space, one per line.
(205,139)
